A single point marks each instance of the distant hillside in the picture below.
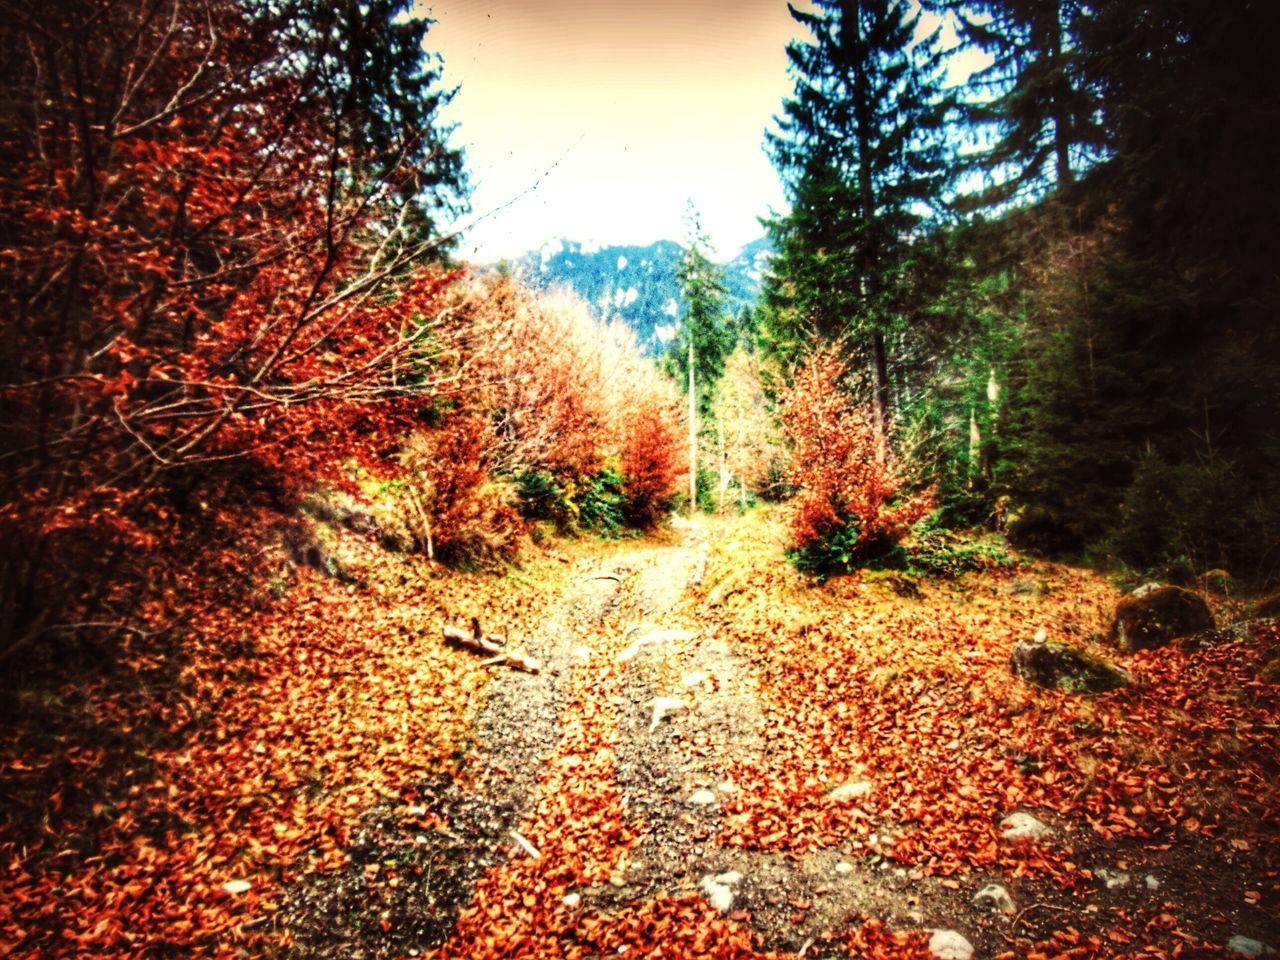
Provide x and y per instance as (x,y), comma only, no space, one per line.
(636,284)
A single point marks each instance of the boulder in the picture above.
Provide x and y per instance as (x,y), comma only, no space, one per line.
(1217,580)
(1268,606)
(1158,617)
(1060,666)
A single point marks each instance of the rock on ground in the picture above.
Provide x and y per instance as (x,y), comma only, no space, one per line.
(1058,666)
(851,791)
(1158,617)
(995,898)
(1023,826)
(1248,947)
(950,945)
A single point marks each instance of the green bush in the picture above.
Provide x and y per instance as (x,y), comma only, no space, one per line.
(940,553)
(840,552)
(600,509)
(542,498)
(1179,518)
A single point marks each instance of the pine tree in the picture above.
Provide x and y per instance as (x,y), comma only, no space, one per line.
(860,151)
(705,326)
(704,336)
(1032,110)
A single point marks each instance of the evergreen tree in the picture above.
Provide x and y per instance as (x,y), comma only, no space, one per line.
(860,151)
(703,339)
(366,61)
(1032,111)
(705,331)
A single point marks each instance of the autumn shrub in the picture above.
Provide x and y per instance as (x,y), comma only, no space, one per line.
(650,442)
(211,246)
(850,507)
(459,512)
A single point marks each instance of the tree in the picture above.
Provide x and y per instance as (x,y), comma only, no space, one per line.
(703,337)
(1032,109)
(850,507)
(753,455)
(861,154)
(208,239)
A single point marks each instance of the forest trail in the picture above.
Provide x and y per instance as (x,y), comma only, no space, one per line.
(647,791)
(720,758)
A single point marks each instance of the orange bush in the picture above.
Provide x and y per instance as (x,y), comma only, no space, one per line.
(849,503)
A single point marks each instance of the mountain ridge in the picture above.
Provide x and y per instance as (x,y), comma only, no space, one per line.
(636,283)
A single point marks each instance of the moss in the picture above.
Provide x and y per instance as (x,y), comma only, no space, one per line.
(1060,666)
(1158,617)
(1268,606)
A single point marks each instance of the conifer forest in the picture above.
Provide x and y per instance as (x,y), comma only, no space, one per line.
(359,599)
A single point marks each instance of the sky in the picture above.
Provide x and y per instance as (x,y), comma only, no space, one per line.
(599,120)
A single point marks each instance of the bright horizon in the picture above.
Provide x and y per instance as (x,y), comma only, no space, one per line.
(597,122)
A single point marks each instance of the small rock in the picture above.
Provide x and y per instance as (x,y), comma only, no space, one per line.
(653,636)
(729,879)
(1145,589)
(718,894)
(237,886)
(572,900)
(844,868)
(1248,947)
(950,945)
(995,898)
(1112,878)
(1023,826)
(1152,882)
(702,798)
(728,787)
(851,791)
(662,707)
(693,679)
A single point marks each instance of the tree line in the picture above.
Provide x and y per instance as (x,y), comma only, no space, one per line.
(1052,281)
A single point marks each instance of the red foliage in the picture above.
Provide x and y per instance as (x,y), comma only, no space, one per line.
(461,515)
(652,454)
(201,262)
(842,479)
(570,395)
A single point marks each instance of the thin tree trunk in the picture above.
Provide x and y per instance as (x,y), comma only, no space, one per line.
(880,374)
(742,486)
(693,436)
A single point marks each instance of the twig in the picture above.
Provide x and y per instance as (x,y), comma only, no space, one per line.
(526,846)
(1026,910)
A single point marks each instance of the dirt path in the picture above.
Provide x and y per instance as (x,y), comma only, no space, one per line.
(596,792)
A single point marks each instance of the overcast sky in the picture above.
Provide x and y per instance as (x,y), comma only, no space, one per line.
(603,117)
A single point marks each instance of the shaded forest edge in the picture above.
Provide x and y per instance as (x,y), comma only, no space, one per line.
(239,353)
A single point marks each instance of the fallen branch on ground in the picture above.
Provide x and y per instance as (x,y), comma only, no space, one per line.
(473,639)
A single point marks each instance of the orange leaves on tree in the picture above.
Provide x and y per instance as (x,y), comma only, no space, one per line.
(849,503)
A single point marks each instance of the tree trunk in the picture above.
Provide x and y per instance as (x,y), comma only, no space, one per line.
(880,380)
(693,435)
